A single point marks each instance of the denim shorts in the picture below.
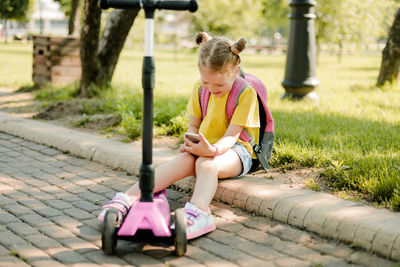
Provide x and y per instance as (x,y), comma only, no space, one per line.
(245,157)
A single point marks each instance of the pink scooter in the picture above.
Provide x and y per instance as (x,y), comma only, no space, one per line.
(152,212)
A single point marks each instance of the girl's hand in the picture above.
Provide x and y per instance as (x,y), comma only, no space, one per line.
(201,149)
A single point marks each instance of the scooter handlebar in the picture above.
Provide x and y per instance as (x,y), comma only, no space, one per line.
(169,4)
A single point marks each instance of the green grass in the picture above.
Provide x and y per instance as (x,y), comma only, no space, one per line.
(352,133)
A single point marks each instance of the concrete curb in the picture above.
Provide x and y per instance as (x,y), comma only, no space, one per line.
(373,229)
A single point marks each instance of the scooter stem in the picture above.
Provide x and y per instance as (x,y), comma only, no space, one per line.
(146,178)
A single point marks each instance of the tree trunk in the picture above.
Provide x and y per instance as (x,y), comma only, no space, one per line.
(74,18)
(114,35)
(390,66)
(99,57)
(89,44)
(5,31)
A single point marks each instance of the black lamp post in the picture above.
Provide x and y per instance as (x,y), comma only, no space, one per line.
(300,75)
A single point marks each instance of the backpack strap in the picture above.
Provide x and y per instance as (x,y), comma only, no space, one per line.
(233,98)
(238,87)
(204,96)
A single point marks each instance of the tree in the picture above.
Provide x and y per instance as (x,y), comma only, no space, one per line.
(390,66)
(230,18)
(72,9)
(13,9)
(99,56)
(351,21)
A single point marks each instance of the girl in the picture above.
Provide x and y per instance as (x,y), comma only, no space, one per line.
(219,153)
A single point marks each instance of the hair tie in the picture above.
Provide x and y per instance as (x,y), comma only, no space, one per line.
(234,49)
(202,38)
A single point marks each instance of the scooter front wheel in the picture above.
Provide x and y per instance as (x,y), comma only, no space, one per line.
(109,235)
(180,232)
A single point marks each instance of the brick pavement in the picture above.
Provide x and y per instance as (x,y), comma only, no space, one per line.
(49,201)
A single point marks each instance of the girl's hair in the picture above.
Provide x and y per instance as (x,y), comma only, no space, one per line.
(218,52)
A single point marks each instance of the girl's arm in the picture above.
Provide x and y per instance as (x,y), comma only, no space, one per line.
(194,124)
(205,149)
(228,140)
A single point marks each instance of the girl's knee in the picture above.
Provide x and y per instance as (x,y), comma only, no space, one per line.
(206,163)
(187,158)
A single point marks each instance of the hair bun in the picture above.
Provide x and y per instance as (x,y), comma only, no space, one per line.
(202,38)
(238,46)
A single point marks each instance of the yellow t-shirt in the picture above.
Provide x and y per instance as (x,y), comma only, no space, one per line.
(215,123)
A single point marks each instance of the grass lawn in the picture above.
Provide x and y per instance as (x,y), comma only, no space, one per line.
(353,132)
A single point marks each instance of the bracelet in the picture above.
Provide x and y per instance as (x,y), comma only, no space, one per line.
(217,152)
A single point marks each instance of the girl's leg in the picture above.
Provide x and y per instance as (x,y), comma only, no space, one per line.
(178,168)
(208,171)
(165,175)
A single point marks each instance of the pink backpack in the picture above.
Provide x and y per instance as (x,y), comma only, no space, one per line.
(263,149)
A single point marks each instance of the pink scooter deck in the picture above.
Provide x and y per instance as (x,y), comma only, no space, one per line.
(153,216)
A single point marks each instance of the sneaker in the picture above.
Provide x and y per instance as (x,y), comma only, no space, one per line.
(121,202)
(199,222)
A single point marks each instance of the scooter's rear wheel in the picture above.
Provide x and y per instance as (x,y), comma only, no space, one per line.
(109,235)
(180,232)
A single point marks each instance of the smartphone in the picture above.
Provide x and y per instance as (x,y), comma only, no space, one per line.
(195,138)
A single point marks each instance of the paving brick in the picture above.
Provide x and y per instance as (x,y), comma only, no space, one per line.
(78,214)
(366,259)
(8,261)
(99,189)
(92,197)
(22,229)
(287,261)
(100,258)
(94,223)
(58,204)
(8,239)
(41,195)
(68,223)
(47,212)
(47,263)
(337,250)
(385,238)
(206,258)
(300,210)
(30,253)
(88,233)
(16,195)
(66,196)
(66,256)
(78,245)
(223,251)
(140,259)
(4,189)
(86,205)
(274,196)
(183,261)
(30,203)
(35,220)
(349,225)
(50,151)
(3,251)
(6,201)
(41,241)
(395,252)
(316,216)
(7,217)
(56,232)
(284,206)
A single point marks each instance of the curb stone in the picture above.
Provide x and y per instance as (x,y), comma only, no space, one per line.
(373,229)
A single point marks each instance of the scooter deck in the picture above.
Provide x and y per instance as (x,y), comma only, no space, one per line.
(154,216)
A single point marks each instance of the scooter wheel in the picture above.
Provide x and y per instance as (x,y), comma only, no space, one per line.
(109,235)
(180,232)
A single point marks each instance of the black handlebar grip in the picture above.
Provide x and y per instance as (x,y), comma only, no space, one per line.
(178,5)
(123,4)
(169,4)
